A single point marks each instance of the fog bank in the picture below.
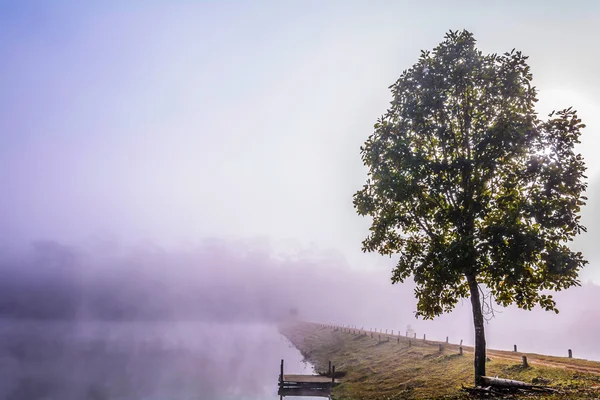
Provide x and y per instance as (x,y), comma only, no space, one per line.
(226,281)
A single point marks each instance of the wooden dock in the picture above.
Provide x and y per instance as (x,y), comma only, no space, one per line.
(306,385)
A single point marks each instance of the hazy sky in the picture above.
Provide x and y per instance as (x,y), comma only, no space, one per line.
(172,121)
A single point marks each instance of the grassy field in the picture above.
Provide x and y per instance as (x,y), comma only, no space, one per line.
(389,369)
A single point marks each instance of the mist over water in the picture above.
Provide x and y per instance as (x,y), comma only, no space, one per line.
(142,360)
(102,321)
(105,321)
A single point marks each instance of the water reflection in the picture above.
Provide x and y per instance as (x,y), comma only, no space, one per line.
(142,360)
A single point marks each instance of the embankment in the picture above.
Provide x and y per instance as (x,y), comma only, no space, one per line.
(379,366)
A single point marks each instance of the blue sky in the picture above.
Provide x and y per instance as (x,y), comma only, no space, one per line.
(174,121)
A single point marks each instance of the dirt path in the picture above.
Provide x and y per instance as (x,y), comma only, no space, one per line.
(583,366)
(532,359)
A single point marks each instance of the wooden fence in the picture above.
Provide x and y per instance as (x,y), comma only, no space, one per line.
(382,335)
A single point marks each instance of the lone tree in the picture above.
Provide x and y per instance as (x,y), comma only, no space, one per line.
(470,188)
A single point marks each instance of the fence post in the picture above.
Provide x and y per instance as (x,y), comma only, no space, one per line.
(329,370)
(460,351)
(570,353)
(333,374)
(525,364)
(446,339)
(424,336)
(515,348)
(440,347)
(415,335)
(398,339)
(409,343)
(461,342)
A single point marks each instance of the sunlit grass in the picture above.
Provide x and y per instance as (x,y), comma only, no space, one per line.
(392,370)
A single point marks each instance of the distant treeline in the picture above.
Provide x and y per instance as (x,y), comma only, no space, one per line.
(223,282)
(56,282)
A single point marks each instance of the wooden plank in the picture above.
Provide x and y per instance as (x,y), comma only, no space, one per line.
(304,392)
(307,378)
(309,384)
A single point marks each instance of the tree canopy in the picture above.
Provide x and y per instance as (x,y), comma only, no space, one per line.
(468,186)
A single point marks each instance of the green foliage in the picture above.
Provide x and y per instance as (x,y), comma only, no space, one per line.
(466,180)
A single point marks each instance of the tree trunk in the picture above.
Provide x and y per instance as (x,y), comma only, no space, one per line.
(479,330)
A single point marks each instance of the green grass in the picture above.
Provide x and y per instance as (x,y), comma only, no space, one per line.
(392,370)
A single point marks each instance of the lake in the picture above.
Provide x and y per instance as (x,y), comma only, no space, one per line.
(142,360)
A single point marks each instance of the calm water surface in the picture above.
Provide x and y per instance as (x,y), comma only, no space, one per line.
(142,360)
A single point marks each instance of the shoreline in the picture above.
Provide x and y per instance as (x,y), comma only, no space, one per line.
(401,368)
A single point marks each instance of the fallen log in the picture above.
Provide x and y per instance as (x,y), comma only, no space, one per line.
(509,383)
(500,382)
(501,387)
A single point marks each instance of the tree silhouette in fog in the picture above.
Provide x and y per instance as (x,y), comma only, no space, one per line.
(469,187)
